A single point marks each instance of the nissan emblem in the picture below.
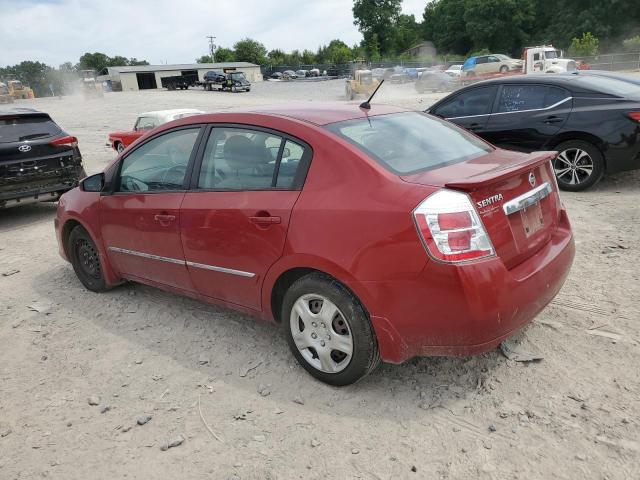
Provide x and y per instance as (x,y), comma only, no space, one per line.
(532,179)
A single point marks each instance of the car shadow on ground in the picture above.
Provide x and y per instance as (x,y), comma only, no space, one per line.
(245,352)
(617,183)
(25,216)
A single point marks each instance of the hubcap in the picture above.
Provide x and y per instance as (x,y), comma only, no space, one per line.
(573,166)
(321,333)
(89,261)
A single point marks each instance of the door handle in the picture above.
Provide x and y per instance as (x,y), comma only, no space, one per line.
(164,219)
(265,221)
(553,119)
(474,126)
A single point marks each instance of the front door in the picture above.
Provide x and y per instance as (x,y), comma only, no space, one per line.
(141,217)
(235,218)
(527,116)
(469,109)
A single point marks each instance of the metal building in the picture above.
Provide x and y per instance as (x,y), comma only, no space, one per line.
(143,77)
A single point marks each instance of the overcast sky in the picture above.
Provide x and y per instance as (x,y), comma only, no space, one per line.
(168,31)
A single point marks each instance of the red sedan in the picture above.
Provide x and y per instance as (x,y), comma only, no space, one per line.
(367,234)
(145,123)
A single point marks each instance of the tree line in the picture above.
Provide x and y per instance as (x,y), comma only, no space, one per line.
(455,27)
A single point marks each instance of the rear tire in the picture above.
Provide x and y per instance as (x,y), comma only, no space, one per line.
(578,166)
(85,260)
(328,330)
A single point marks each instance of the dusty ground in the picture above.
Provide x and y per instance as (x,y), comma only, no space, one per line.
(141,351)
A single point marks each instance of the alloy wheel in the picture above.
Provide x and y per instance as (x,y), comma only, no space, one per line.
(573,166)
(321,333)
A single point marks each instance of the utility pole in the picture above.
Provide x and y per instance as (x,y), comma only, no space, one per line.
(212,48)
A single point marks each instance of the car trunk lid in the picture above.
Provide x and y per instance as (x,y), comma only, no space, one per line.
(515,195)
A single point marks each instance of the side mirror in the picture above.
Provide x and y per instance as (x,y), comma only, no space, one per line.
(94,183)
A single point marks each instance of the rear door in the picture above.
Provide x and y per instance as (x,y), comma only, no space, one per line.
(469,109)
(140,218)
(526,116)
(236,216)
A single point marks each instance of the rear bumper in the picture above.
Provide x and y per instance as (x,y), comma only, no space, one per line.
(21,196)
(458,310)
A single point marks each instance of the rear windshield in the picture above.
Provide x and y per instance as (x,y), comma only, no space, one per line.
(18,129)
(610,85)
(410,142)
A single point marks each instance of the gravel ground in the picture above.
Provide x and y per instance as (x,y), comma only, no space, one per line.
(186,390)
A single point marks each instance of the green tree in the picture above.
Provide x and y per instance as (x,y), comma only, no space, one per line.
(308,57)
(444,24)
(377,17)
(134,61)
(93,61)
(276,57)
(406,33)
(248,50)
(632,44)
(585,46)
(502,26)
(225,55)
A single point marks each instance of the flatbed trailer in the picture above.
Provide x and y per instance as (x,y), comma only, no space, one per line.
(181,82)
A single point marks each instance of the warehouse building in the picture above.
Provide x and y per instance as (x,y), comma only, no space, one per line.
(143,77)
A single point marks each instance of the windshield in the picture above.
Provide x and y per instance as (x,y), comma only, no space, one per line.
(502,57)
(410,142)
(609,85)
(552,54)
(238,76)
(18,129)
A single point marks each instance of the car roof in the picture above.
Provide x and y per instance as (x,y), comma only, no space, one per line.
(21,111)
(567,80)
(327,112)
(168,113)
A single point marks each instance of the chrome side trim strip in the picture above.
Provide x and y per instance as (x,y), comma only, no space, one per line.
(147,255)
(221,269)
(516,111)
(527,199)
(182,262)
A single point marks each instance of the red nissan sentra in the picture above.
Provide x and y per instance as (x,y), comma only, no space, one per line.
(368,234)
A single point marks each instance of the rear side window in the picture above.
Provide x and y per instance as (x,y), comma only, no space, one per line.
(515,98)
(410,142)
(477,101)
(18,129)
(245,159)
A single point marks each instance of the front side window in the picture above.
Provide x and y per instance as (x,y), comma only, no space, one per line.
(410,142)
(477,101)
(160,164)
(244,159)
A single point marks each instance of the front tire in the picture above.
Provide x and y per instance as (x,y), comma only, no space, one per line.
(578,166)
(85,259)
(504,69)
(120,147)
(328,330)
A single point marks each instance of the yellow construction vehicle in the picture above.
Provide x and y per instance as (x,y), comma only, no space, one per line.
(362,83)
(16,89)
(4,94)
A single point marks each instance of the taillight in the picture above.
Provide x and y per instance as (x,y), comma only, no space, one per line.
(68,140)
(634,116)
(451,228)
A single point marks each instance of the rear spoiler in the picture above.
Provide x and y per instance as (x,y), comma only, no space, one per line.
(529,162)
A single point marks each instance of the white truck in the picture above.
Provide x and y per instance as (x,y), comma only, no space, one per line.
(546,59)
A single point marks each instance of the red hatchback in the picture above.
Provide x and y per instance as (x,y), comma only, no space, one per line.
(368,234)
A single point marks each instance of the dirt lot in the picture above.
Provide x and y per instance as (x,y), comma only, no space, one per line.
(228,385)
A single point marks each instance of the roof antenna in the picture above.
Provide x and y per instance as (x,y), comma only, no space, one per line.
(366,104)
